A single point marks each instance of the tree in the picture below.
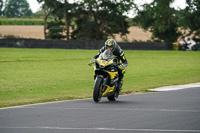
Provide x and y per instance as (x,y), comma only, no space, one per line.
(159,18)
(189,18)
(97,20)
(67,17)
(17,8)
(38,14)
(55,29)
(57,9)
(47,8)
(1,7)
(94,20)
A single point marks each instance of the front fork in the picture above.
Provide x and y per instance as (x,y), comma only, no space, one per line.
(104,81)
(104,84)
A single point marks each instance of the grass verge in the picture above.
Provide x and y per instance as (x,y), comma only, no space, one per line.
(41,75)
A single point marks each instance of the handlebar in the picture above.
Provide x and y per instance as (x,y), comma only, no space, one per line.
(91,63)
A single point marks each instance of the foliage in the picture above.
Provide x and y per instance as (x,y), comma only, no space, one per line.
(17,8)
(47,12)
(55,29)
(10,37)
(1,7)
(20,21)
(101,19)
(158,17)
(56,9)
(189,18)
(38,14)
(131,22)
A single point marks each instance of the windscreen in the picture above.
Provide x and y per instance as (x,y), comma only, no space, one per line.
(106,55)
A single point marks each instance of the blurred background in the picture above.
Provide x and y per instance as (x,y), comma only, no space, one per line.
(125,21)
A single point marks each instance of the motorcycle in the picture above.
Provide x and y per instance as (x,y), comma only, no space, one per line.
(106,77)
(190,45)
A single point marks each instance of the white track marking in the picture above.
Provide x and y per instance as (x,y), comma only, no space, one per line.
(102,129)
(176,87)
(115,109)
(30,105)
(107,109)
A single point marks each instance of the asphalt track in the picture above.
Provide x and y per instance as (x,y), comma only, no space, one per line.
(176,111)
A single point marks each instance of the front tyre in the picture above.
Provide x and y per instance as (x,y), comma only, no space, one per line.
(97,90)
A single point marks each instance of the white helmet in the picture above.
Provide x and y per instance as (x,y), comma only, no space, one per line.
(187,39)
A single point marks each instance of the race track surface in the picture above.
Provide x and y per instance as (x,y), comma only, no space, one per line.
(175,111)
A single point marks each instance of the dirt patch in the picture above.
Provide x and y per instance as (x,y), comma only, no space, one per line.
(37,32)
(23,31)
(136,33)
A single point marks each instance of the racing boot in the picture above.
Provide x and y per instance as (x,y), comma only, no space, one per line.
(120,83)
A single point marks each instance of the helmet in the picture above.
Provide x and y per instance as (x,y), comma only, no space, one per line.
(110,44)
(187,39)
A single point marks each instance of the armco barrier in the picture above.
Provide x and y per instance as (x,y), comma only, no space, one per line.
(33,43)
(198,47)
(145,46)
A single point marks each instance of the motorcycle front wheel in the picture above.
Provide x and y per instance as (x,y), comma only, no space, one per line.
(97,89)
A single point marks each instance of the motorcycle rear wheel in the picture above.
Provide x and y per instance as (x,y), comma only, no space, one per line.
(194,48)
(113,97)
(97,90)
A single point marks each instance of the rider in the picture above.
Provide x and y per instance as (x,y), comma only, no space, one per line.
(118,52)
(187,43)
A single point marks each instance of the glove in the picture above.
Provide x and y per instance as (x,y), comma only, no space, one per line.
(121,66)
(92,60)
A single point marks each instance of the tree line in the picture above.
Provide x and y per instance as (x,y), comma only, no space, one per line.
(98,20)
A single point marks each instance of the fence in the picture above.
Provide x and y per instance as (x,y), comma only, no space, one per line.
(60,44)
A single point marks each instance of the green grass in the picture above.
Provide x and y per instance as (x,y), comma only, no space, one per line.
(21,21)
(41,75)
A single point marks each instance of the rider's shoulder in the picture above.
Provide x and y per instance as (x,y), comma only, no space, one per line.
(102,49)
(118,50)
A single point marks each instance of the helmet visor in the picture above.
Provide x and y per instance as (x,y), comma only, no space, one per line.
(110,47)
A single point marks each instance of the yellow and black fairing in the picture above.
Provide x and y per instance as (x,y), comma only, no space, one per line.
(105,68)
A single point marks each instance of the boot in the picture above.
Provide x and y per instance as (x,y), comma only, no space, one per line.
(120,83)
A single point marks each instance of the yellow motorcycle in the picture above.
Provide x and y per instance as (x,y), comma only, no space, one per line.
(106,77)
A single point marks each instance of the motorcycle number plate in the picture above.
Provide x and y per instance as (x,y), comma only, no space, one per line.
(104,62)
